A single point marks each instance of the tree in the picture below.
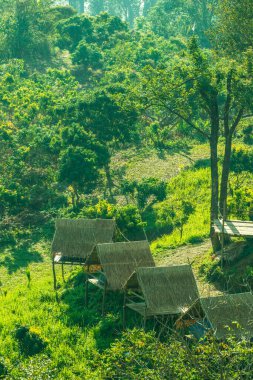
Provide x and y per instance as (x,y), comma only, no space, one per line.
(148,4)
(233,29)
(96,6)
(77,4)
(81,158)
(25,31)
(171,18)
(112,124)
(211,96)
(88,55)
(128,10)
(146,192)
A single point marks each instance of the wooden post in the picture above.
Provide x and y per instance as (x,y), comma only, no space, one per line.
(62,272)
(124,311)
(103,301)
(86,289)
(144,319)
(54,274)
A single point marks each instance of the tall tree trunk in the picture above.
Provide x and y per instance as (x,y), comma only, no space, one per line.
(225,175)
(109,182)
(214,212)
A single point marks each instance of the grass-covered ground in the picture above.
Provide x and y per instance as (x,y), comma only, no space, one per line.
(67,330)
(51,335)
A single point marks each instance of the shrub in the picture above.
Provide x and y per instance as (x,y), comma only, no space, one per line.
(127,217)
(29,339)
(140,355)
(242,160)
(3,369)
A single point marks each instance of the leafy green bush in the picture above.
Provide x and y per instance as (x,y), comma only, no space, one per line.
(242,159)
(29,339)
(147,188)
(3,369)
(106,331)
(128,218)
(140,355)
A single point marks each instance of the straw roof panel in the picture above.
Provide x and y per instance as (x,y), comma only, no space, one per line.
(119,260)
(168,290)
(78,237)
(228,311)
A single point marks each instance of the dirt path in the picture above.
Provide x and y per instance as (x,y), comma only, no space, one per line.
(184,254)
(190,254)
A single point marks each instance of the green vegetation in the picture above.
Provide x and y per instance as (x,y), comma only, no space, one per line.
(53,336)
(138,111)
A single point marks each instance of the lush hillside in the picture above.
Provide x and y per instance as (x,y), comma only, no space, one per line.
(51,335)
(139,111)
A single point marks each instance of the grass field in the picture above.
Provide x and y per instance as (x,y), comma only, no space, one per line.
(74,336)
(71,339)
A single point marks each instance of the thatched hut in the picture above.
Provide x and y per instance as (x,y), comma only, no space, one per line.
(118,261)
(224,315)
(75,239)
(161,291)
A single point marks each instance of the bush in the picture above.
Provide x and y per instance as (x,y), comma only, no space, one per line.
(140,355)
(3,369)
(127,218)
(242,160)
(30,341)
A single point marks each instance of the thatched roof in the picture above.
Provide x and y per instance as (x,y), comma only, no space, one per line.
(166,290)
(229,313)
(78,237)
(119,260)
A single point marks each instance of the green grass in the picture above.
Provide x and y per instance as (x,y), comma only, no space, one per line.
(77,340)
(191,185)
(75,337)
(143,163)
(60,321)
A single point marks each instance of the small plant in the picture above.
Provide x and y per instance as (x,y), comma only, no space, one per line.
(28,276)
(3,369)
(30,341)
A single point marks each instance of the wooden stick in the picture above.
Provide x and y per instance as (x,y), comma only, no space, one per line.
(103,302)
(54,274)
(124,311)
(62,272)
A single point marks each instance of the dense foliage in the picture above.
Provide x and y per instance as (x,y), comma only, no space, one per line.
(135,110)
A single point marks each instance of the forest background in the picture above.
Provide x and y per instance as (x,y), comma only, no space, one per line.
(136,110)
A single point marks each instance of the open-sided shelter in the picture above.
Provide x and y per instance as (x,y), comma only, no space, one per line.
(117,261)
(75,239)
(160,291)
(238,228)
(224,315)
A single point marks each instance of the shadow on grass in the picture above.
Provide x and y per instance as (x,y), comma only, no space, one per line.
(105,329)
(20,257)
(202,163)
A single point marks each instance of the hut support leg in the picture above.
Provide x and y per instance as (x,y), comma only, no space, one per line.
(54,274)
(124,312)
(103,301)
(86,287)
(62,272)
(144,320)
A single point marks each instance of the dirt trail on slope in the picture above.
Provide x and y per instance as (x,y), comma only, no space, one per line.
(190,254)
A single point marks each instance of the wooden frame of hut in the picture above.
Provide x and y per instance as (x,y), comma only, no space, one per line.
(117,261)
(159,292)
(224,315)
(75,239)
